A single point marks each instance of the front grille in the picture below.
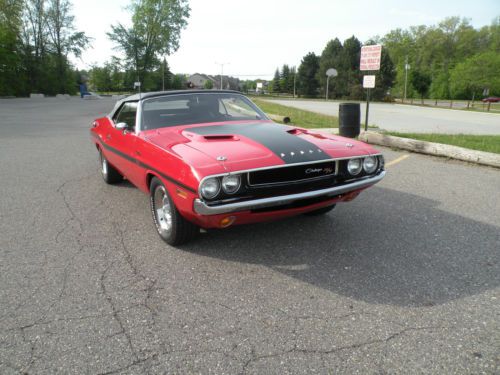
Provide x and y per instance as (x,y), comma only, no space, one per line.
(292,174)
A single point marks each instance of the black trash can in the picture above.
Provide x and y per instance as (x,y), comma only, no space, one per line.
(349,119)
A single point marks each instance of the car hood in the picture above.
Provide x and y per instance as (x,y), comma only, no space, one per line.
(247,145)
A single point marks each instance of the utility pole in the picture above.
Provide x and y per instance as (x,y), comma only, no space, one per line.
(407,67)
(294,81)
(163,75)
(221,71)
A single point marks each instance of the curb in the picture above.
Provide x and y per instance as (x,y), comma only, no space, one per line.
(430,148)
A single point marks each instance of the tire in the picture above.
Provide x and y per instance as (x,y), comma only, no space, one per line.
(170,225)
(320,211)
(109,174)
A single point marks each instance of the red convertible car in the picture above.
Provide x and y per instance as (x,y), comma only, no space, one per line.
(213,159)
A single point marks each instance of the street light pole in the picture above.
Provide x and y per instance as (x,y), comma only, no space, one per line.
(407,67)
(221,71)
(163,75)
(294,82)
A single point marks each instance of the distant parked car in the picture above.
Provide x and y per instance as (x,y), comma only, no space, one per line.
(491,99)
(212,159)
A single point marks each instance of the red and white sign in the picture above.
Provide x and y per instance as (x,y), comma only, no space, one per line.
(369,82)
(370,57)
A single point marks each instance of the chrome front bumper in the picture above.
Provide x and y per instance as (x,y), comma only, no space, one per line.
(202,208)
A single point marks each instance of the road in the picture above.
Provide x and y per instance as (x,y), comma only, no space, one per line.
(412,119)
(404,279)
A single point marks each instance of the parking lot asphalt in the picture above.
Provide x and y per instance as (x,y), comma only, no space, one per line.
(404,279)
(411,119)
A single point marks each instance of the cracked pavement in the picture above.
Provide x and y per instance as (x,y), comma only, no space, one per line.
(404,279)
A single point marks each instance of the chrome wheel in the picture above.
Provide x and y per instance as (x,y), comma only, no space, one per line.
(168,222)
(162,210)
(104,166)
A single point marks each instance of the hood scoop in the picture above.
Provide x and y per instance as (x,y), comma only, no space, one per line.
(296,131)
(220,137)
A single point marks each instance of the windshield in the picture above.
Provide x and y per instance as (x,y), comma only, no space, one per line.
(184,109)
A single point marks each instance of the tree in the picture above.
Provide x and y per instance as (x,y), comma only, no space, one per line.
(331,57)
(179,82)
(307,75)
(350,65)
(100,78)
(421,82)
(435,50)
(155,32)
(209,85)
(63,39)
(286,80)
(469,78)
(10,29)
(34,42)
(276,81)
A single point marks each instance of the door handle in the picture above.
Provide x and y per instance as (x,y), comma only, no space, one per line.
(138,153)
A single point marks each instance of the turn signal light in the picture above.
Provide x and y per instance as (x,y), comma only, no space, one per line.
(350,196)
(227,221)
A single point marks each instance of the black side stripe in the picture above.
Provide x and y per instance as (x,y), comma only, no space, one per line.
(142,165)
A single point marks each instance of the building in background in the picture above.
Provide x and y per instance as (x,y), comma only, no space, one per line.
(199,81)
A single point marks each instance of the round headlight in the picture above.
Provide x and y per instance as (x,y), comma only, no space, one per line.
(370,164)
(354,166)
(210,188)
(231,183)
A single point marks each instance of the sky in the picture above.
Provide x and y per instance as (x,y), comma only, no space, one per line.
(253,38)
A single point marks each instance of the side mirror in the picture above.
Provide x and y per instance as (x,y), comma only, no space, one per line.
(121,126)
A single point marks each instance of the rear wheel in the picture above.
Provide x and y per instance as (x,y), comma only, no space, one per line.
(170,225)
(108,172)
(320,211)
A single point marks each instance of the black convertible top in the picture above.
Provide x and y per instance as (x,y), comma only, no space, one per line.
(155,94)
(147,95)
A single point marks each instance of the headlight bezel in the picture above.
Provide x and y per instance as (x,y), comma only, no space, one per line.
(359,169)
(208,180)
(375,164)
(229,176)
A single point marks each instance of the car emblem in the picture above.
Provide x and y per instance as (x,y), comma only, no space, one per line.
(350,145)
(221,158)
(313,170)
(326,170)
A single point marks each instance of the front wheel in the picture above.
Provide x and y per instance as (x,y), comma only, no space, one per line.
(320,211)
(108,172)
(170,225)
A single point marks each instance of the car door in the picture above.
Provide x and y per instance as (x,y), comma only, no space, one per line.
(122,143)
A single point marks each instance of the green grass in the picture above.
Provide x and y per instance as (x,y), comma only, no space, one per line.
(299,117)
(488,143)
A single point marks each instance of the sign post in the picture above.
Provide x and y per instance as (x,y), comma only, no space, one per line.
(369,61)
(330,73)
(368,83)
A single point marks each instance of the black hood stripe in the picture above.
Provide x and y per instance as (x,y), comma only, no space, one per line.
(288,147)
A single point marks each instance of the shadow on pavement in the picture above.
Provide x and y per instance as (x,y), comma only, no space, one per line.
(386,247)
